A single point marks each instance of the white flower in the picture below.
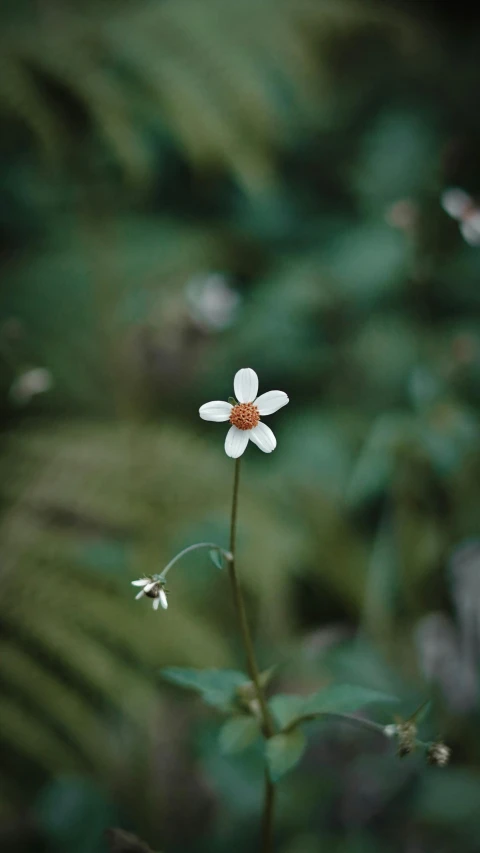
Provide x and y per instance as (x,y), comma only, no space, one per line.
(152,589)
(245,415)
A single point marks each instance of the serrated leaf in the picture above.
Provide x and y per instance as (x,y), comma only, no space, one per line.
(343,699)
(283,752)
(217,558)
(238,733)
(216,686)
(286,708)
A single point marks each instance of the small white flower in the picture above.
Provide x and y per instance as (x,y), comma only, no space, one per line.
(244,416)
(152,589)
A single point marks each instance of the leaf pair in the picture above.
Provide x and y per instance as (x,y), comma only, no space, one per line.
(285,750)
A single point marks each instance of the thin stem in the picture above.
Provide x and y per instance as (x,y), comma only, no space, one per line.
(346,718)
(267,821)
(242,615)
(267,722)
(212,545)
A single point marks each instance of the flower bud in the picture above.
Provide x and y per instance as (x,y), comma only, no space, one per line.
(406,738)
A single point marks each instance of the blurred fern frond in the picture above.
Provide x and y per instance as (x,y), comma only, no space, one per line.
(230,83)
(90,508)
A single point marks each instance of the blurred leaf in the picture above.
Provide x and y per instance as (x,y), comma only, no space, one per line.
(286,708)
(283,752)
(373,471)
(217,558)
(398,158)
(238,733)
(73,813)
(449,796)
(216,686)
(343,699)
(368,261)
(338,698)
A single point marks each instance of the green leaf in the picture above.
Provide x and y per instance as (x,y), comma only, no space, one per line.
(343,699)
(216,686)
(238,733)
(286,708)
(232,401)
(283,752)
(217,558)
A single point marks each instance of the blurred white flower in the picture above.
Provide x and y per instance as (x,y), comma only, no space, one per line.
(152,589)
(212,302)
(244,416)
(31,382)
(460,206)
(456,202)
(470,228)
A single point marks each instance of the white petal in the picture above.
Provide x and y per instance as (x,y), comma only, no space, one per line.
(142,592)
(455,202)
(149,586)
(263,437)
(236,441)
(217,411)
(163,599)
(470,233)
(245,385)
(141,582)
(156,602)
(271,402)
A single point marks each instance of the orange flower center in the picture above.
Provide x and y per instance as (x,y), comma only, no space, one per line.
(244,416)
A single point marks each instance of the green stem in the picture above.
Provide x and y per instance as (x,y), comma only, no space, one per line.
(267,723)
(346,718)
(267,821)
(211,545)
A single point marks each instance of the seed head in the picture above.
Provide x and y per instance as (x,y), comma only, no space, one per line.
(438,754)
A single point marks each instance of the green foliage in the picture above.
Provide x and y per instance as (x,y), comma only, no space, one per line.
(73,813)
(216,686)
(79,656)
(283,752)
(299,148)
(238,733)
(336,699)
(286,708)
(168,70)
(343,699)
